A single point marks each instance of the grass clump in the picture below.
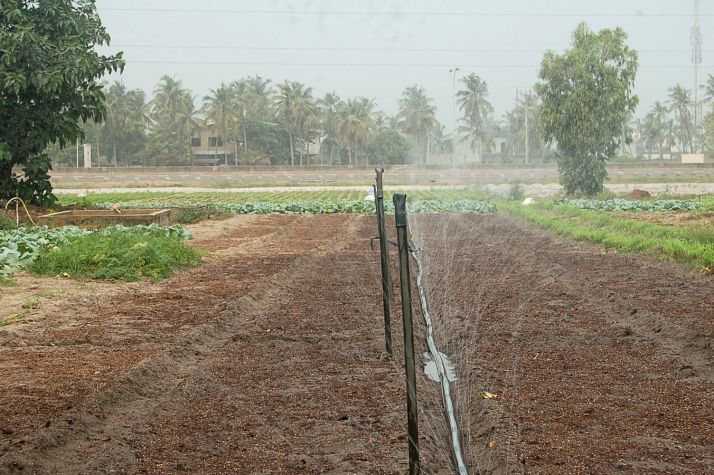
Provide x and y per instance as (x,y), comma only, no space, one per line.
(516,192)
(127,254)
(195,215)
(6,223)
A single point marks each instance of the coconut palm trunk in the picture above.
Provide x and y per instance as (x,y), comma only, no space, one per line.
(292,150)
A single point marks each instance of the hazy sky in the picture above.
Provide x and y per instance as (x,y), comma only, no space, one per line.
(340,45)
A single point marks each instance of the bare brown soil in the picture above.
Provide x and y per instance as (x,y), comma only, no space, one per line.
(266,359)
(599,363)
(269,358)
(703,219)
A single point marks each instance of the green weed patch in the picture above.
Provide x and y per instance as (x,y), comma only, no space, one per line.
(692,246)
(127,254)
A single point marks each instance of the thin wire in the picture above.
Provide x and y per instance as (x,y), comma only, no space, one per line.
(398,13)
(385,65)
(373,50)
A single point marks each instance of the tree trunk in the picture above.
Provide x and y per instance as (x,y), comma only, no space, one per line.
(114,153)
(292,150)
(302,152)
(332,149)
(245,137)
(428,150)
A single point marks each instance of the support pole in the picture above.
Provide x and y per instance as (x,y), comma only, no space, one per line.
(386,278)
(400,214)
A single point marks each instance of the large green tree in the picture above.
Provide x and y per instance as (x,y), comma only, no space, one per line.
(388,147)
(586,95)
(49,85)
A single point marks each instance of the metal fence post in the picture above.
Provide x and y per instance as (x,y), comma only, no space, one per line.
(400,214)
(384,252)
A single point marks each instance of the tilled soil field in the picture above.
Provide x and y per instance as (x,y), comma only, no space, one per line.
(269,358)
(571,360)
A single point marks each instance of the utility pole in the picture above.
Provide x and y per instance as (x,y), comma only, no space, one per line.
(453,110)
(696,40)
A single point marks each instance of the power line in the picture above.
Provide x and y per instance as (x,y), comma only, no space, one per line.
(372,50)
(396,13)
(376,65)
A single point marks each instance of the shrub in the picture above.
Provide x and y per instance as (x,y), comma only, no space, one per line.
(6,223)
(516,193)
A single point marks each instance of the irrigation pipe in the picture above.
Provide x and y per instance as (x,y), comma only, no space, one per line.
(441,369)
(17,210)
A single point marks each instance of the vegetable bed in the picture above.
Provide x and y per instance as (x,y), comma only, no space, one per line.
(126,253)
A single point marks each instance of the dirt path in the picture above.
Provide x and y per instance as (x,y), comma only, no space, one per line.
(600,363)
(266,359)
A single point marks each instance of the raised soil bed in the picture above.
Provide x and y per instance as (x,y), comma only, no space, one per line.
(99,218)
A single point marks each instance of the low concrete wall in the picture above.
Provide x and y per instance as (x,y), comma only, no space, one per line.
(345,169)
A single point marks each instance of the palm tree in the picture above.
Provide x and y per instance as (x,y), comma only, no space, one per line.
(680,102)
(655,127)
(125,119)
(474,104)
(441,142)
(708,89)
(416,118)
(170,100)
(172,114)
(515,121)
(254,97)
(328,106)
(219,110)
(354,123)
(116,112)
(297,113)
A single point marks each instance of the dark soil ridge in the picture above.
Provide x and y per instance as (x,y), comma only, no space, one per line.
(692,347)
(648,314)
(76,441)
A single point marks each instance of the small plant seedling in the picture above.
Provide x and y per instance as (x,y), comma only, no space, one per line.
(516,193)
(47,294)
(31,304)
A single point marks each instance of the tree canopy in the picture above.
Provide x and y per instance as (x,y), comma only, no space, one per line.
(49,84)
(587,96)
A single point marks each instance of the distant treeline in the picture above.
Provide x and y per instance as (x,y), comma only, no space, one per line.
(285,124)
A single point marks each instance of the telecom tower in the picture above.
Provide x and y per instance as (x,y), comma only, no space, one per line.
(696,61)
